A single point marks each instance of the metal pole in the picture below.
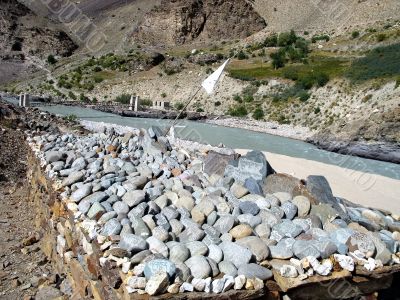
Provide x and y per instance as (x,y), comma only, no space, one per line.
(184,108)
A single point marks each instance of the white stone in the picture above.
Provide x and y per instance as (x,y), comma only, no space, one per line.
(199,284)
(207,288)
(126,266)
(288,271)
(370,265)
(229,283)
(346,262)
(186,287)
(157,284)
(218,285)
(240,281)
(137,282)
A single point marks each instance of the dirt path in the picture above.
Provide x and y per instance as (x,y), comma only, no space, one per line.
(25,272)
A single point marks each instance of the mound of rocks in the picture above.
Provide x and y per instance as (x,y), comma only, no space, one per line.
(178,220)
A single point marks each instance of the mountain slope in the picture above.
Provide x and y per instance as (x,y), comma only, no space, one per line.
(183,21)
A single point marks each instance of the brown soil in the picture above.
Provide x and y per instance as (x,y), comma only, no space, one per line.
(25,272)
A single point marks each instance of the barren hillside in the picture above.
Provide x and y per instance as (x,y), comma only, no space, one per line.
(283,15)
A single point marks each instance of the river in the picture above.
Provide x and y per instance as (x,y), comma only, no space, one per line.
(236,138)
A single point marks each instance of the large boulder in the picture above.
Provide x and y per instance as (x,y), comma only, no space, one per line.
(252,165)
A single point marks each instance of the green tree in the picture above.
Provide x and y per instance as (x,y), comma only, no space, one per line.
(278,59)
(51,59)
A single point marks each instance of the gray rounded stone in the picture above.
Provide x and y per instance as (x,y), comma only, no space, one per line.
(112,227)
(227,268)
(199,267)
(121,207)
(159,265)
(290,210)
(215,253)
(248,207)
(179,253)
(197,248)
(235,253)
(132,243)
(254,271)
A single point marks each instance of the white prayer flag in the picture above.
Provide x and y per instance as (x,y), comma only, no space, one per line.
(210,83)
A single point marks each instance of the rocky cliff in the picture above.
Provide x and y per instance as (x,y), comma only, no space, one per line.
(182,21)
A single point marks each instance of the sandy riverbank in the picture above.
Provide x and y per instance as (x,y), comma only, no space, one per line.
(274,128)
(366,189)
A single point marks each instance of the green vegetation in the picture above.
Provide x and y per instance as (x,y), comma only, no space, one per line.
(163,95)
(293,49)
(51,59)
(355,34)
(330,66)
(238,111)
(146,102)
(381,37)
(179,105)
(258,113)
(71,118)
(123,98)
(323,37)
(71,95)
(241,55)
(217,103)
(84,98)
(382,62)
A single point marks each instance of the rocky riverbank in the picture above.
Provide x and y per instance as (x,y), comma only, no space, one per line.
(172,216)
(383,151)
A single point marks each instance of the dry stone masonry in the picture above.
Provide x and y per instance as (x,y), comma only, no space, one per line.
(163,216)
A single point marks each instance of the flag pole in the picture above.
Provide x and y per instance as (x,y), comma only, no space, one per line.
(183,109)
(208,84)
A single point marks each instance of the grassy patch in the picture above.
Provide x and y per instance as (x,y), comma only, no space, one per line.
(382,62)
(332,66)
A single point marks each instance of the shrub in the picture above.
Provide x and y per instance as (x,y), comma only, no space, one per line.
(146,102)
(287,38)
(97,69)
(241,55)
(83,98)
(71,95)
(381,37)
(271,41)
(217,103)
(163,95)
(323,37)
(123,98)
(98,79)
(278,59)
(355,34)
(70,118)
(290,73)
(322,79)
(51,59)
(238,111)
(306,33)
(199,110)
(317,110)
(237,98)
(179,106)
(17,46)
(303,96)
(258,113)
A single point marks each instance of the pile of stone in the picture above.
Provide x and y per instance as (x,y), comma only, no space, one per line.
(182,219)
